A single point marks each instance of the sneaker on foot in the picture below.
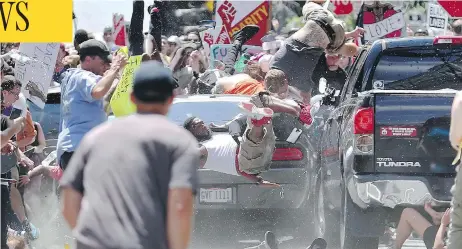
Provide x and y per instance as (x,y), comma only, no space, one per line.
(258,116)
(270,240)
(246,33)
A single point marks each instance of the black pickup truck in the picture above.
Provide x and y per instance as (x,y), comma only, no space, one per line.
(384,140)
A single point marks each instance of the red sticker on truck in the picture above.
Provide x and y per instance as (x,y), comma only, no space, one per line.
(398,131)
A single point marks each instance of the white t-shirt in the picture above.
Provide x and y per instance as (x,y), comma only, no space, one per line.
(221,150)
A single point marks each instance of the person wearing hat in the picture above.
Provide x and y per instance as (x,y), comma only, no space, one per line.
(109,38)
(298,57)
(173,44)
(142,189)
(82,92)
(80,36)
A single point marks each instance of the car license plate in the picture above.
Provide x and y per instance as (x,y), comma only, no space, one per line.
(216,195)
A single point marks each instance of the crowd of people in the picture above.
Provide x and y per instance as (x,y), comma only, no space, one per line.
(142,182)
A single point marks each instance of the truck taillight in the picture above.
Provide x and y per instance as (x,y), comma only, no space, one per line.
(364,121)
(447,40)
(287,154)
(364,131)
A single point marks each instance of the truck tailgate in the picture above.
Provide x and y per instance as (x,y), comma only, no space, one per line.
(412,133)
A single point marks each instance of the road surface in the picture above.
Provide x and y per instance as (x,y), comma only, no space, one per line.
(236,231)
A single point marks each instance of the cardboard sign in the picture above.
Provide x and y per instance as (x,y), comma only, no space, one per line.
(36,72)
(380,29)
(380,20)
(207,42)
(437,18)
(120,36)
(121,103)
(219,51)
(398,131)
(231,16)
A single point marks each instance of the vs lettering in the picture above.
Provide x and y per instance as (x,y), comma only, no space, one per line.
(14,12)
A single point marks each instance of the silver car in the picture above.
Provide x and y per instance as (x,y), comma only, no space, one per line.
(221,188)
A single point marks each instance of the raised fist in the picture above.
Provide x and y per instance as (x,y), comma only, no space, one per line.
(227,12)
(208,38)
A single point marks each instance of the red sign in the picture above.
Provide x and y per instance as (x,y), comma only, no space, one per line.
(453,7)
(343,7)
(119,30)
(258,16)
(398,131)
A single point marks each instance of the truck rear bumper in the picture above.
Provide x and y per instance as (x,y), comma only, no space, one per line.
(388,190)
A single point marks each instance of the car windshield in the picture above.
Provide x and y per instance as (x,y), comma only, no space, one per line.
(419,69)
(218,112)
(49,116)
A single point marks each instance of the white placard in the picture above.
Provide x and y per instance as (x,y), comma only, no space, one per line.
(437,18)
(219,51)
(36,74)
(386,26)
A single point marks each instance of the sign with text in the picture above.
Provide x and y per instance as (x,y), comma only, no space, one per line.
(437,18)
(380,20)
(232,16)
(36,72)
(380,29)
(219,51)
(398,131)
(36,21)
(121,103)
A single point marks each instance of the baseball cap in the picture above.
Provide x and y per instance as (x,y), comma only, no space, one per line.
(153,82)
(80,36)
(94,47)
(174,39)
(107,30)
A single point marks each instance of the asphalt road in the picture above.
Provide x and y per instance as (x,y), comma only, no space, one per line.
(238,231)
(224,230)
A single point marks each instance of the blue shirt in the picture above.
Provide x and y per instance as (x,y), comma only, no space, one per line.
(80,112)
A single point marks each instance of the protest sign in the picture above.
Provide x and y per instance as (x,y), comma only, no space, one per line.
(380,29)
(36,72)
(121,103)
(120,37)
(437,18)
(381,20)
(207,41)
(231,16)
(219,51)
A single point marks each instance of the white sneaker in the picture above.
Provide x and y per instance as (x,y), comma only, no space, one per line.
(254,112)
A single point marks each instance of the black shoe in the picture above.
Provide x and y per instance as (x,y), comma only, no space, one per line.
(246,33)
(270,240)
(318,244)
